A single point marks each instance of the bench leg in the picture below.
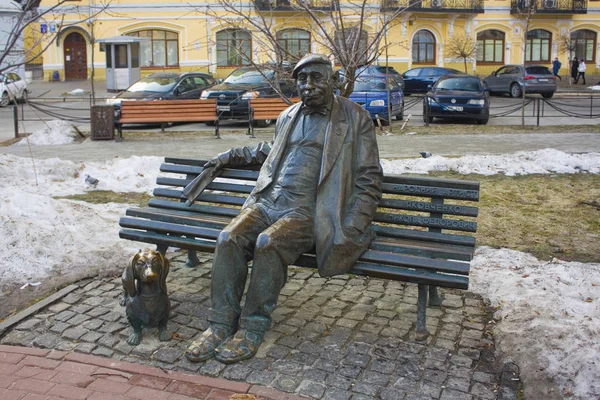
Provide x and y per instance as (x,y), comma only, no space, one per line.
(435,300)
(192,260)
(162,249)
(422,333)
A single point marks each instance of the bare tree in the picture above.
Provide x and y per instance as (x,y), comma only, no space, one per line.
(462,47)
(566,46)
(341,31)
(30,14)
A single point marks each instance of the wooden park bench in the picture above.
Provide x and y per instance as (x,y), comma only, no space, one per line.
(166,111)
(424,226)
(266,109)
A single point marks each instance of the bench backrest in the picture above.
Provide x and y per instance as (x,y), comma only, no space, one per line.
(436,209)
(169,111)
(269,108)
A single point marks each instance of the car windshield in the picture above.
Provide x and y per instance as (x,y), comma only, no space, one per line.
(371,85)
(158,84)
(249,76)
(462,84)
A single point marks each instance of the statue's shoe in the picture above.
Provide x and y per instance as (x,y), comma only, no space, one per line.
(243,345)
(211,339)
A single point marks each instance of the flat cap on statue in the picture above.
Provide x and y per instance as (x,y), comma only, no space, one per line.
(310,59)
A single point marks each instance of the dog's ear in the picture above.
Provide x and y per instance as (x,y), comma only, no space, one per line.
(128,277)
(164,271)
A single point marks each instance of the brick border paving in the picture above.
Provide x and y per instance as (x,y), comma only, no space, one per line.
(32,373)
(345,337)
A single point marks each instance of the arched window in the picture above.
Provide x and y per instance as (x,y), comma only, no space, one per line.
(538,46)
(490,47)
(295,43)
(423,48)
(162,50)
(583,45)
(233,48)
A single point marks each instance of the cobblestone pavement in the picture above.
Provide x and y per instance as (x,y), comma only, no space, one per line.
(346,337)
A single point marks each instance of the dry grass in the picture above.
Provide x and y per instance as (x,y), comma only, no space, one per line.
(462,129)
(545,215)
(107,196)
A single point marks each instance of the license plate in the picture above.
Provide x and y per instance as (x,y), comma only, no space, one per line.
(542,80)
(454,108)
(222,108)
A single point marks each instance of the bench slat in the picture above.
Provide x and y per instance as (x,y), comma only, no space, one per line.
(422,206)
(222,186)
(430,191)
(194,170)
(427,222)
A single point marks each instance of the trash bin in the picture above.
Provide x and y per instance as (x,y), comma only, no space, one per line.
(55,76)
(103,122)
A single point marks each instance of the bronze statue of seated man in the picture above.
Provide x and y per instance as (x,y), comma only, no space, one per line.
(318,188)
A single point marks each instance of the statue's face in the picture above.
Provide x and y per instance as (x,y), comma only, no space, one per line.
(315,85)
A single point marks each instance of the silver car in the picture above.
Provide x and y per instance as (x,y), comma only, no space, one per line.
(509,79)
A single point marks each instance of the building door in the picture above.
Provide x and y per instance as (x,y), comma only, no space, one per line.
(75,57)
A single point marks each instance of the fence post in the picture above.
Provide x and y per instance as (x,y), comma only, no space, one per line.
(591,105)
(16,120)
(426,110)
(538,111)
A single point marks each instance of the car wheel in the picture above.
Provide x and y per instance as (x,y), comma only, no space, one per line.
(263,123)
(483,121)
(5,100)
(548,95)
(209,123)
(400,116)
(24,95)
(515,90)
(426,119)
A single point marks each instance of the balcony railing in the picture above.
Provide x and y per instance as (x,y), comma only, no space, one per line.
(549,6)
(463,6)
(290,5)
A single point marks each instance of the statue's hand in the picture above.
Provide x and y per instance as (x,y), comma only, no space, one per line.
(215,164)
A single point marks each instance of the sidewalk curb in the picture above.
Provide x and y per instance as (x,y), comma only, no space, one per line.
(15,319)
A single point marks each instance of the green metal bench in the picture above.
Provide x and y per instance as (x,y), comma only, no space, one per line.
(424,226)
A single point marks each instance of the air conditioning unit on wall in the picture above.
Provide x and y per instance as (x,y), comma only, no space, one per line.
(549,3)
(436,3)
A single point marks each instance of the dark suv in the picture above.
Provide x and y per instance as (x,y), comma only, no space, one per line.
(247,83)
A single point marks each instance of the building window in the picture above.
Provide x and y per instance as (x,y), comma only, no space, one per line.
(490,47)
(233,48)
(538,46)
(294,42)
(423,48)
(162,50)
(583,45)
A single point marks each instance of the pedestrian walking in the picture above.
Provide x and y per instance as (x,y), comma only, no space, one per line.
(581,71)
(574,69)
(556,67)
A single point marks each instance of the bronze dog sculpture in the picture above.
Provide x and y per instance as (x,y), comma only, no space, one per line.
(146,300)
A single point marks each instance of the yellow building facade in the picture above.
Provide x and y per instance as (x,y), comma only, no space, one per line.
(210,36)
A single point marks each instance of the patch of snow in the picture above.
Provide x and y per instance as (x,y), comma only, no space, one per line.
(55,132)
(77,91)
(549,317)
(545,161)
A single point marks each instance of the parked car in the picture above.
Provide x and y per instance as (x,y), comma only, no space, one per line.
(422,79)
(372,94)
(247,83)
(165,86)
(509,79)
(458,96)
(12,87)
(370,71)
